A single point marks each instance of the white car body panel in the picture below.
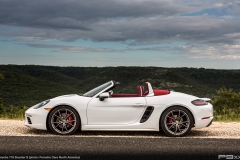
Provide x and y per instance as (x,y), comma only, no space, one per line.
(121,113)
(114,111)
(152,124)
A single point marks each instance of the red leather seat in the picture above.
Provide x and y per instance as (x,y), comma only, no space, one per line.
(139,91)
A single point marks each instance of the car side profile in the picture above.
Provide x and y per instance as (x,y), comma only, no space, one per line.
(101,110)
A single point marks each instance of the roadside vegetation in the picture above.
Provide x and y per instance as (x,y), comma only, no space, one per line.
(226,105)
(12,112)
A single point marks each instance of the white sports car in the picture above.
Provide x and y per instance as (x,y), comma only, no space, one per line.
(99,109)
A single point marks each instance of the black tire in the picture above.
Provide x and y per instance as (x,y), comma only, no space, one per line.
(176,121)
(63,120)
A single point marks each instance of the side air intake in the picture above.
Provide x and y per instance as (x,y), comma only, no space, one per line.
(147,114)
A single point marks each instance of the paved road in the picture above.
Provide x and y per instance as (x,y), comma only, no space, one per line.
(119,147)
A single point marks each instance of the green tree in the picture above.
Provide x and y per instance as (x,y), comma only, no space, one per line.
(227,105)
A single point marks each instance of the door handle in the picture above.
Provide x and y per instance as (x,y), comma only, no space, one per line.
(138,105)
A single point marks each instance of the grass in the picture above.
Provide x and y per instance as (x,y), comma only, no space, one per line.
(226,118)
(8,116)
(12,119)
(13,112)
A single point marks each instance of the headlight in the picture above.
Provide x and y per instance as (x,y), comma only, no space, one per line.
(199,102)
(41,104)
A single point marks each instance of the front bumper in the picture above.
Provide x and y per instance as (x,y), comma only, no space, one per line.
(36,118)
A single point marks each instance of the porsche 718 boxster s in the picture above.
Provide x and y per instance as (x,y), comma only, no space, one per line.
(100,109)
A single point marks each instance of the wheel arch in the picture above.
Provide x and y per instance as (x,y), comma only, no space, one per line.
(176,106)
(67,105)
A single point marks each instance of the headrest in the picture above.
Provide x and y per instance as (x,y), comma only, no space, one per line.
(139,91)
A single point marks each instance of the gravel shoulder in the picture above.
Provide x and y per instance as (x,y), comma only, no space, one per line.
(225,130)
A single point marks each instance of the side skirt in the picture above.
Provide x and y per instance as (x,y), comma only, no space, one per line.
(130,127)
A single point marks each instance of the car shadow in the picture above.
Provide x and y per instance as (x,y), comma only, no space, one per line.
(137,134)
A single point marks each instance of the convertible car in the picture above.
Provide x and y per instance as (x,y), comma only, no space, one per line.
(100,109)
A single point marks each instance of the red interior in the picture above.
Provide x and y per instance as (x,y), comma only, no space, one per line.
(156,93)
(140,90)
(160,92)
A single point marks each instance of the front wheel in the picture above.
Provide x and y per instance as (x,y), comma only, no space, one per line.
(63,120)
(176,121)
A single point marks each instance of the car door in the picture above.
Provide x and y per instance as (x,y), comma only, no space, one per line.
(115,110)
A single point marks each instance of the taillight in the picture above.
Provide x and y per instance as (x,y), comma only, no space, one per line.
(199,102)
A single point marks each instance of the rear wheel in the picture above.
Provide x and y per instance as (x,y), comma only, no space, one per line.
(176,121)
(63,120)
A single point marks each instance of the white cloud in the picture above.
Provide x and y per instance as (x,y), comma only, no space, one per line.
(137,22)
(73,49)
(77,49)
(221,52)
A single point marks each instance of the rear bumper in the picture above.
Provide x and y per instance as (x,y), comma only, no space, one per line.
(203,123)
(209,123)
(203,115)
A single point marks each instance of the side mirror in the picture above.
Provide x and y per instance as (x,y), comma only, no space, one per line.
(104,95)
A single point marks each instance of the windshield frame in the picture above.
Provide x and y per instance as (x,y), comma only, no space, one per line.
(98,90)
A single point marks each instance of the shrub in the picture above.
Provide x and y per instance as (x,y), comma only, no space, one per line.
(226,105)
(12,112)
(15,112)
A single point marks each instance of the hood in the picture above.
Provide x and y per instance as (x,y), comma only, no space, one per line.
(68,95)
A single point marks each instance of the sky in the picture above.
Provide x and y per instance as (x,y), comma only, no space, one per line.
(98,33)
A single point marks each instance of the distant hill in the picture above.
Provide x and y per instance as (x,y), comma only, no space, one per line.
(31,84)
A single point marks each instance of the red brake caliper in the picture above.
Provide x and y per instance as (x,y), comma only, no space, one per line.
(170,119)
(70,118)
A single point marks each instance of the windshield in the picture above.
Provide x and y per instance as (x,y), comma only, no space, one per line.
(96,90)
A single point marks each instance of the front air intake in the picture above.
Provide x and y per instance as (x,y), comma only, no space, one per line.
(147,114)
(29,120)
